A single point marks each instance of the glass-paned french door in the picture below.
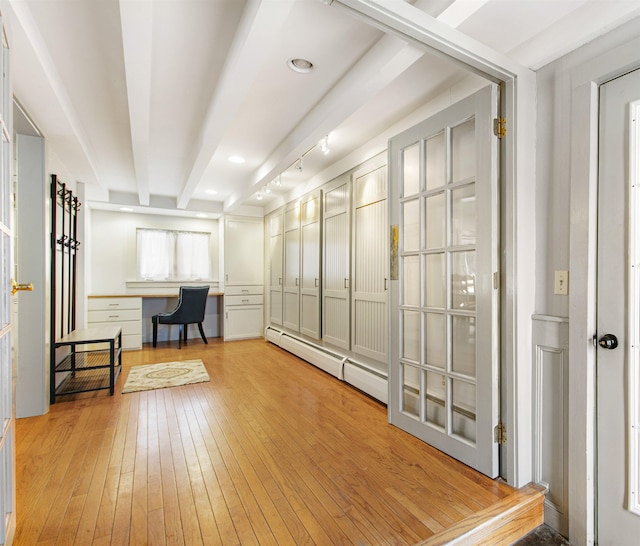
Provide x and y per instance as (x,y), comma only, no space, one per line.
(444,305)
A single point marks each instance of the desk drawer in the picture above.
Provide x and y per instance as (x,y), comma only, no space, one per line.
(243,300)
(242,290)
(130,327)
(104,304)
(116,315)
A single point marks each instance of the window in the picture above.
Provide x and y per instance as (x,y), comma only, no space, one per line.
(165,255)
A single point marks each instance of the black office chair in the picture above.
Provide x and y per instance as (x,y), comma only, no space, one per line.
(190,310)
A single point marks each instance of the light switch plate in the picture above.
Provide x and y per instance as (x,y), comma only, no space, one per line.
(561,285)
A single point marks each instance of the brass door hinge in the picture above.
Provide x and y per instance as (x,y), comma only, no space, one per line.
(500,434)
(500,127)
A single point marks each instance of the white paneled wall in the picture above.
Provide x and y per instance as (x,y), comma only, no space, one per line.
(550,426)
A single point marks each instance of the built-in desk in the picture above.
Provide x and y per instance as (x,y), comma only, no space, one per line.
(133,312)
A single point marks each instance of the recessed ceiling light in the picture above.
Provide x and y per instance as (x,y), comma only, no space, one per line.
(211,192)
(202,215)
(126,209)
(236,159)
(303,66)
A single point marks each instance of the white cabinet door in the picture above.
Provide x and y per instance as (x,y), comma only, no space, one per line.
(243,250)
(243,322)
(336,313)
(275,223)
(444,303)
(310,265)
(370,261)
(291,288)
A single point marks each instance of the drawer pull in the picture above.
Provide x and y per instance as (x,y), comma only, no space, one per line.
(114,305)
(114,316)
(245,291)
(245,301)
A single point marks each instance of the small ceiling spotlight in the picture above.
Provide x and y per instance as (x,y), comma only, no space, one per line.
(236,159)
(279,180)
(324,145)
(302,66)
(259,196)
(126,209)
(211,192)
(267,189)
(299,165)
(201,215)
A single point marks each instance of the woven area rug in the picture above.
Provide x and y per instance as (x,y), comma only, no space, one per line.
(165,374)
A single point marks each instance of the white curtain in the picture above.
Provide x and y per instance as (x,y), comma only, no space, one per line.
(173,255)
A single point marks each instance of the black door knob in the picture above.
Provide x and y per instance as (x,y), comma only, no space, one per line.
(608,341)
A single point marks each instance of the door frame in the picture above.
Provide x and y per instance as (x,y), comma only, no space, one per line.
(586,79)
(517,193)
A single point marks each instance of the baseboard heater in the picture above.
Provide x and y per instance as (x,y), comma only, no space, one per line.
(359,375)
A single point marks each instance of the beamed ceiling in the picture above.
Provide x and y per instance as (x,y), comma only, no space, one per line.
(145,101)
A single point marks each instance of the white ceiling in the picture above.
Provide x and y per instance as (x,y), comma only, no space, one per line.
(145,100)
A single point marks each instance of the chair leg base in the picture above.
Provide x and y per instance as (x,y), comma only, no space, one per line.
(204,338)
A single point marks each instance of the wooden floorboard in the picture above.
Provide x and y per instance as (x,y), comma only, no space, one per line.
(270,451)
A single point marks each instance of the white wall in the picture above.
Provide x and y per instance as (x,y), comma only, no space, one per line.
(566,203)
(111,246)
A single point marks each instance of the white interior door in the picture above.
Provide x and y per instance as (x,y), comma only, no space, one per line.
(618,380)
(444,305)
(370,261)
(310,265)
(291,288)
(275,268)
(336,314)
(7,387)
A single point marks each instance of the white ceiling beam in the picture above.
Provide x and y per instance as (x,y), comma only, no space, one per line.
(136,18)
(29,26)
(418,27)
(459,11)
(260,20)
(380,66)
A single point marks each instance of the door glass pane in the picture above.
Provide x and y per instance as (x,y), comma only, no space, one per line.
(463,215)
(435,221)
(435,399)
(463,151)
(435,162)
(411,225)
(435,286)
(463,279)
(463,345)
(411,280)
(410,389)
(435,340)
(411,335)
(411,170)
(463,421)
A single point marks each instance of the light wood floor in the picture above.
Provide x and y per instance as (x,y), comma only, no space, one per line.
(270,451)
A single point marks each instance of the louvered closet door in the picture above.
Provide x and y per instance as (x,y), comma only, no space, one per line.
(291,288)
(444,307)
(370,262)
(310,265)
(336,315)
(275,268)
